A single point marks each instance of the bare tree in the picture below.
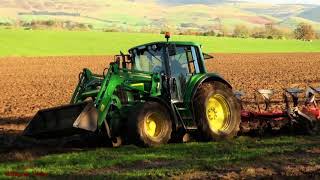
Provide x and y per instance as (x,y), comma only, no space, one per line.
(304,32)
(241,31)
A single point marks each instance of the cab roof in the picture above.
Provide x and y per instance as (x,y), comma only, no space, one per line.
(188,43)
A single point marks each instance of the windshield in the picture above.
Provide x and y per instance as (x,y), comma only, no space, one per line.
(149,59)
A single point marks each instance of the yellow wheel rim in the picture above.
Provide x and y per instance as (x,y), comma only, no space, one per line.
(218,113)
(153,124)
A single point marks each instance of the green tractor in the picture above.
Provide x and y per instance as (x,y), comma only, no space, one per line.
(158,92)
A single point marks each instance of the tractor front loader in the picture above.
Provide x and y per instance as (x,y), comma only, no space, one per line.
(158,92)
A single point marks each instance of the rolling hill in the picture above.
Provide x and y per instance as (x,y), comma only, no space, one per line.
(312,14)
(134,15)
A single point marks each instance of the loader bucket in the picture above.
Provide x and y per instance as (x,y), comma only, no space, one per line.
(63,121)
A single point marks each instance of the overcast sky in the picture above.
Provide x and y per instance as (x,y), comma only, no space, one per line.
(288,1)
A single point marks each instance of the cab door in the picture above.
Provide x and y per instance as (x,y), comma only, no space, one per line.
(182,66)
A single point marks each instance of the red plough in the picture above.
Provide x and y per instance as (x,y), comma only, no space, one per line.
(292,118)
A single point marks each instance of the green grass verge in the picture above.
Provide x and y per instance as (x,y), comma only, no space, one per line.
(61,43)
(164,161)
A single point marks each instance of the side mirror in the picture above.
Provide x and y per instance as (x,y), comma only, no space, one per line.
(172,49)
(207,56)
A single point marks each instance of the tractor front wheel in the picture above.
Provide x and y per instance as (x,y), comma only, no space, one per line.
(217,111)
(149,125)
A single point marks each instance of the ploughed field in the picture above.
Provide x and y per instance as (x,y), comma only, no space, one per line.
(33,83)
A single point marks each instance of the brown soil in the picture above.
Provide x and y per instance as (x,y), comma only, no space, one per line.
(33,83)
(30,84)
(274,71)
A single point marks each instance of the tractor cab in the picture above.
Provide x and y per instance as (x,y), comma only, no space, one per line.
(175,61)
(163,57)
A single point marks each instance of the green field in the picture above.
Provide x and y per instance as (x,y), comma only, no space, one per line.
(172,160)
(61,43)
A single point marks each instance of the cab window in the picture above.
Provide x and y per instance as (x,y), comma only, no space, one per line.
(149,59)
(185,61)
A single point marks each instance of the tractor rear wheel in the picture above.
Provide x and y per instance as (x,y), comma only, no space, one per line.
(149,125)
(217,111)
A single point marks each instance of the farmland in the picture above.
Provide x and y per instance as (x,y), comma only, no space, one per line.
(45,44)
(39,69)
(58,76)
(67,43)
(33,83)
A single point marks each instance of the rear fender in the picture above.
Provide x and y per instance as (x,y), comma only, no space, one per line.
(197,80)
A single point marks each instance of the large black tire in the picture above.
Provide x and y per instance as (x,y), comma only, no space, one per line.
(216,122)
(149,125)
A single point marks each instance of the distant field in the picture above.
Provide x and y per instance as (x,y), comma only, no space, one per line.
(60,43)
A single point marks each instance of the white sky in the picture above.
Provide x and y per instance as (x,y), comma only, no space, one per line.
(288,1)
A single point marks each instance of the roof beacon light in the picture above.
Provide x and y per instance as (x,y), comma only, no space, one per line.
(167,36)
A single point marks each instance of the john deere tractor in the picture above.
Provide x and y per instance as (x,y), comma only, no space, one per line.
(156,93)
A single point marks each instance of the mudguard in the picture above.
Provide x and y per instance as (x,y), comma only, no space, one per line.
(197,80)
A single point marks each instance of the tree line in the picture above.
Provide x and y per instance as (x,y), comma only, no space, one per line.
(302,31)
